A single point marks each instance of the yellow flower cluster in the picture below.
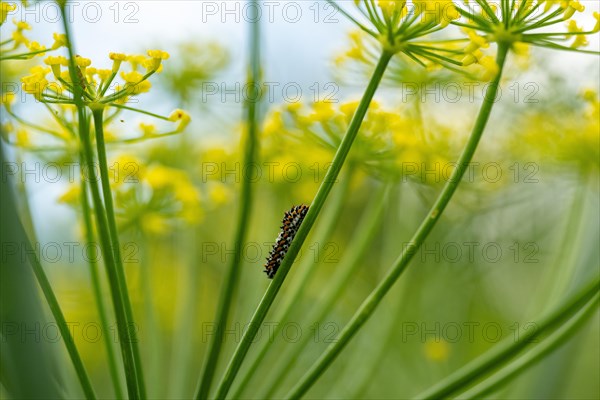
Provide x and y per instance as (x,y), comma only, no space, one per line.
(399,26)
(517,22)
(96,82)
(571,139)
(388,145)
(58,92)
(148,197)
(10,49)
(5,9)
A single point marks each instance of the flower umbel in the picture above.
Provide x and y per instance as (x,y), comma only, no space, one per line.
(524,22)
(398,25)
(58,93)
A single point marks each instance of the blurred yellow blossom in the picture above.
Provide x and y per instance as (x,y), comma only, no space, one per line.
(437,350)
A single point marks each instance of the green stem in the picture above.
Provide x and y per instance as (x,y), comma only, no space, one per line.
(370,304)
(233,273)
(306,269)
(62,324)
(140,111)
(125,323)
(154,349)
(365,233)
(505,350)
(131,354)
(305,227)
(536,354)
(89,235)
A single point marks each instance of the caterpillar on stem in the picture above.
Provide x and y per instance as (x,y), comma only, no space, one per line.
(290,224)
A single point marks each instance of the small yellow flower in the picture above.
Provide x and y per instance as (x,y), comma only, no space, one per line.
(490,66)
(218,194)
(437,350)
(580,40)
(573,5)
(349,108)
(162,55)
(5,9)
(117,58)
(22,25)
(157,56)
(390,7)
(22,138)
(150,65)
(136,60)
(17,35)
(36,83)
(36,47)
(128,169)
(323,111)
(472,58)
(132,77)
(148,130)
(185,192)
(192,215)
(60,40)
(158,177)
(90,72)
(82,61)
(155,223)
(104,74)
(8,99)
(441,12)
(181,116)
(476,42)
(273,123)
(134,83)
(55,62)
(71,196)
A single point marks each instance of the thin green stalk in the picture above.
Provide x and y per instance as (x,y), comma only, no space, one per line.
(370,304)
(365,233)
(314,210)
(545,348)
(62,324)
(506,349)
(297,287)
(25,211)
(125,337)
(132,357)
(180,373)
(120,298)
(154,350)
(565,275)
(58,315)
(246,199)
(574,233)
(89,235)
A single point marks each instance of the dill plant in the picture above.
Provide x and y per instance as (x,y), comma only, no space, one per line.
(79,101)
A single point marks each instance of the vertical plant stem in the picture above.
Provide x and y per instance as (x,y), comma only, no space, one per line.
(58,315)
(120,298)
(537,353)
(154,349)
(370,304)
(246,200)
(305,227)
(306,269)
(509,347)
(132,358)
(96,287)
